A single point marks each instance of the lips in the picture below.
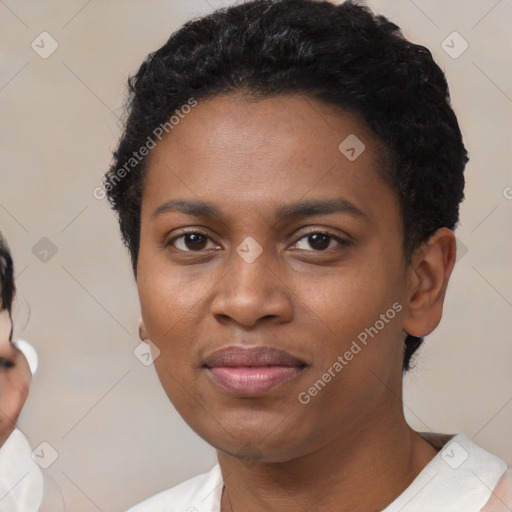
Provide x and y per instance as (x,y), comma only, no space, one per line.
(252,371)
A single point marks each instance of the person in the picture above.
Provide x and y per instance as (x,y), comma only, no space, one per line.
(288,184)
(21,480)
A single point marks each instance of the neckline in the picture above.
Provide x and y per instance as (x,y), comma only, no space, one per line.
(461,476)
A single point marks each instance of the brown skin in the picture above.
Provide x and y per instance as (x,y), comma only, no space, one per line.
(15,379)
(349,448)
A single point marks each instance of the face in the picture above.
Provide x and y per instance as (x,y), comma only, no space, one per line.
(284,253)
(5,327)
(14,379)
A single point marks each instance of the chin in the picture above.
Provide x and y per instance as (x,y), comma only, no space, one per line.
(255,441)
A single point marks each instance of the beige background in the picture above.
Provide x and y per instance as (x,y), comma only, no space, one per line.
(118,438)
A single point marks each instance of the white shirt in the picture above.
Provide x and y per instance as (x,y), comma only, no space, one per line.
(21,479)
(460,478)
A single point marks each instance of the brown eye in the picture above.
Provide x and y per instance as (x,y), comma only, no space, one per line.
(192,241)
(320,241)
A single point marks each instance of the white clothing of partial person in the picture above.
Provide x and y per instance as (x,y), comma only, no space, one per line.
(462,477)
(21,479)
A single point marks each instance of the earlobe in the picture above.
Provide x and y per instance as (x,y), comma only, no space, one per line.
(430,271)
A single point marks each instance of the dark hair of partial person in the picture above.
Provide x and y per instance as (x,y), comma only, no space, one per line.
(340,54)
(6,278)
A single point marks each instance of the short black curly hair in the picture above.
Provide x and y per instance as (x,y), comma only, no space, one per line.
(340,54)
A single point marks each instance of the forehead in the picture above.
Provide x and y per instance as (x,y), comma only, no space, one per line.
(5,325)
(251,153)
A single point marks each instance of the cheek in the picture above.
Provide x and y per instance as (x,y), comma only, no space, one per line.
(348,300)
(173,307)
(169,296)
(168,312)
(357,346)
(358,308)
(5,327)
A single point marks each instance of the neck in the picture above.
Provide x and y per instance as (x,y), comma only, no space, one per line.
(361,470)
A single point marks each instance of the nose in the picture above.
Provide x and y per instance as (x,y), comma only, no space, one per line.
(252,292)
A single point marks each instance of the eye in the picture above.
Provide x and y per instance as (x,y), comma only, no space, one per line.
(321,240)
(5,364)
(197,241)
(191,241)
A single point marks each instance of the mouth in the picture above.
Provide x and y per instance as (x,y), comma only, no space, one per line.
(246,371)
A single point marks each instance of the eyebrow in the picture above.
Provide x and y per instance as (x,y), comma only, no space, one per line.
(286,212)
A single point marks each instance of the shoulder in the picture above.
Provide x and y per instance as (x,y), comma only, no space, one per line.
(462,476)
(196,494)
(501,498)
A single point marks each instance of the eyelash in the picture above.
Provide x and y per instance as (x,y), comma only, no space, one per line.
(311,231)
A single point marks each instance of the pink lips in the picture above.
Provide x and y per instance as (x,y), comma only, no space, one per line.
(252,371)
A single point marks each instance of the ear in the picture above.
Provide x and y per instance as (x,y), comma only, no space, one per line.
(143,334)
(429,271)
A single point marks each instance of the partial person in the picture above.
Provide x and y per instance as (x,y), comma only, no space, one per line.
(21,480)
